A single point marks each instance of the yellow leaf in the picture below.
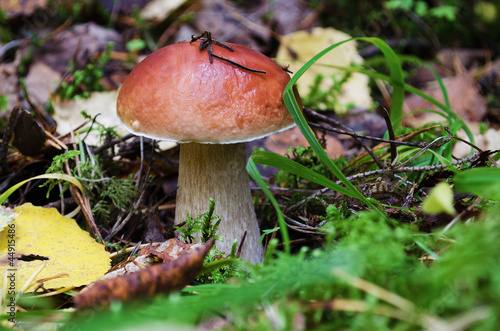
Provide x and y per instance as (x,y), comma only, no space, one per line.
(56,241)
(439,200)
(303,45)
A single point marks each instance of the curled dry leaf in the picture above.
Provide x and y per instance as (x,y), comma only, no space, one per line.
(161,278)
(168,250)
(25,134)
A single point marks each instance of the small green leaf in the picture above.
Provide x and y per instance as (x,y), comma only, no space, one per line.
(440,200)
(68,178)
(284,163)
(135,45)
(266,232)
(255,174)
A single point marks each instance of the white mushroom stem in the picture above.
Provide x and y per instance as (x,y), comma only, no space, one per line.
(218,172)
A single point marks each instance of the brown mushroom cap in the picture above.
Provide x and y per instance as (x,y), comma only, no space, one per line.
(177,94)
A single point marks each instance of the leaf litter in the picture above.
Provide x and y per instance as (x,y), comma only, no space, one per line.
(58,244)
(365,249)
(160,278)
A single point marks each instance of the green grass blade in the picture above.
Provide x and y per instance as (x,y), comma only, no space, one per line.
(255,174)
(447,112)
(441,86)
(397,79)
(284,163)
(427,249)
(293,107)
(296,111)
(393,62)
(68,178)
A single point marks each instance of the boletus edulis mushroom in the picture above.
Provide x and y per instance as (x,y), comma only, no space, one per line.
(210,98)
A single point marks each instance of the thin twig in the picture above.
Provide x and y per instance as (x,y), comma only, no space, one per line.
(413,169)
(348,131)
(84,202)
(120,223)
(207,42)
(332,123)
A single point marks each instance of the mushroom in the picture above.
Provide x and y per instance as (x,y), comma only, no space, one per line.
(211,104)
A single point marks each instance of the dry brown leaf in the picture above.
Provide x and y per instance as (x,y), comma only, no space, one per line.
(25,134)
(160,278)
(168,250)
(9,79)
(85,39)
(229,22)
(279,142)
(150,255)
(466,57)
(154,231)
(463,94)
(41,81)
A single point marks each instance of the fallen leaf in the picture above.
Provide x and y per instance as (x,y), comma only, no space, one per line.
(289,15)
(229,22)
(168,250)
(154,253)
(67,113)
(41,81)
(449,57)
(79,42)
(160,278)
(25,134)
(489,140)
(279,142)
(303,45)
(158,10)
(7,216)
(463,94)
(154,231)
(45,237)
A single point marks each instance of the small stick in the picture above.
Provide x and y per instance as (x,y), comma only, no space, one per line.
(206,43)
